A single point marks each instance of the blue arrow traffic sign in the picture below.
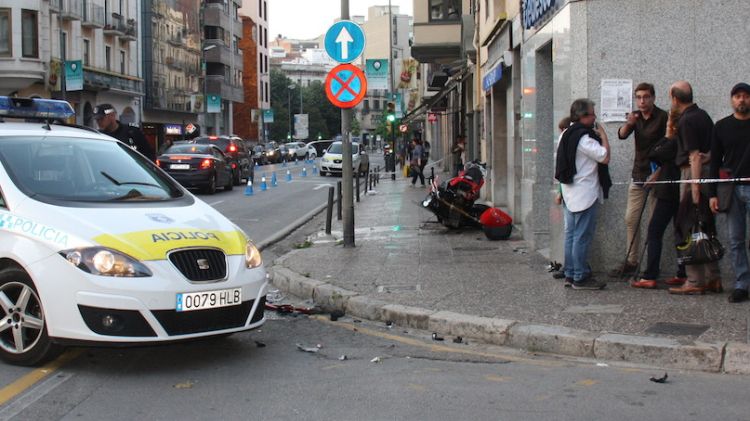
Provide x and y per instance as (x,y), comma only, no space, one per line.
(345,41)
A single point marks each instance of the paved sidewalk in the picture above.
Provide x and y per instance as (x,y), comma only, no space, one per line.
(404,257)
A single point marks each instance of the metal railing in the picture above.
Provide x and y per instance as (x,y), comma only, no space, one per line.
(92,13)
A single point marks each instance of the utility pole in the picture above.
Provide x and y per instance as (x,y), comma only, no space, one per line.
(347,172)
(391,93)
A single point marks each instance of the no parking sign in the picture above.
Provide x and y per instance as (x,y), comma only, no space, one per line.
(346,86)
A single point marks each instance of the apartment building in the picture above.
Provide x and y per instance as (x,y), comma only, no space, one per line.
(257,11)
(36,38)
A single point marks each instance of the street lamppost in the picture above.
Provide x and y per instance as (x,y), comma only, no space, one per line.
(289,105)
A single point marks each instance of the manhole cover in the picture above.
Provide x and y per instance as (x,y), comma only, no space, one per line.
(398,288)
(677,329)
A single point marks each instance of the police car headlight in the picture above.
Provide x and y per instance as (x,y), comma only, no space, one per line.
(105,262)
(252,256)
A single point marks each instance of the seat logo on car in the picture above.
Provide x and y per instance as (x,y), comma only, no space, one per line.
(203,264)
(157,217)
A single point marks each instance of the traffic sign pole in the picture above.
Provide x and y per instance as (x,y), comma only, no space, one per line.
(346,140)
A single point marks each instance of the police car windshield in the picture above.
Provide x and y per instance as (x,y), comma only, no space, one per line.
(82,170)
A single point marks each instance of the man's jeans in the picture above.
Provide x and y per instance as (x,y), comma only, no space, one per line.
(579,231)
(737,246)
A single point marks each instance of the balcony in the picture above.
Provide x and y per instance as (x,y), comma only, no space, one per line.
(71,10)
(115,25)
(219,85)
(437,30)
(97,80)
(131,31)
(214,15)
(55,5)
(222,54)
(93,15)
(20,73)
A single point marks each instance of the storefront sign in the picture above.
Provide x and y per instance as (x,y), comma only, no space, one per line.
(535,10)
(268,115)
(213,103)
(172,129)
(492,77)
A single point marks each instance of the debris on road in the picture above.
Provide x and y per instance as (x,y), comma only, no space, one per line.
(435,337)
(458,340)
(660,379)
(336,314)
(288,309)
(376,360)
(602,365)
(274,296)
(310,349)
(343,358)
(186,385)
(389,324)
(260,344)
(554,266)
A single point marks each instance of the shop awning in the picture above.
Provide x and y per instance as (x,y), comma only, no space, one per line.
(430,102)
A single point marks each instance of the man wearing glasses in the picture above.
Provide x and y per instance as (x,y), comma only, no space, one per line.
(649,123)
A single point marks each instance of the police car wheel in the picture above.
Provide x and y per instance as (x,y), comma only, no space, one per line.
(23,328)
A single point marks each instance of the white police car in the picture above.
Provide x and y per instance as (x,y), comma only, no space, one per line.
(99,246)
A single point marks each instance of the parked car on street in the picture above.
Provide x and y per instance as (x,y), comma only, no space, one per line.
(99,246)
(259,155)
(272,153)
(319,146)
(297,150)
(332,160)
(242,166)
(198,166)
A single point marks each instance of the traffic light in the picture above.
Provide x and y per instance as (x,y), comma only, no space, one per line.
(390,113)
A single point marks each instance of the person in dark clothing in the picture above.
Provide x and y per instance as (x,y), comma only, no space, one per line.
(416,165)
(694,132)
(666,204)
(730,148)
(457,151)
(106,118)
(648,124)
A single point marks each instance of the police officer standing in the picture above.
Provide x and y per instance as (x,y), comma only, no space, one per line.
(106,118)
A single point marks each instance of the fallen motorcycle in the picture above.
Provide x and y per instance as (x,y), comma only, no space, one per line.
(452,201)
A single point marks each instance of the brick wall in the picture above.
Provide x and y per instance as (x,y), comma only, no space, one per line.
(243,126)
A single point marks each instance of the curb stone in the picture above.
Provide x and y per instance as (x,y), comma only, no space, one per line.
(659,351)
(737,358)
(647,350)
(493,331)
(553,339)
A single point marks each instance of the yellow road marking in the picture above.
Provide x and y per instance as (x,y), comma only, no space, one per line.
(587,382)
(494,378)
(30,379)
(436,348)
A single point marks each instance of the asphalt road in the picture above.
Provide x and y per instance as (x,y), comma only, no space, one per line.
(416,379)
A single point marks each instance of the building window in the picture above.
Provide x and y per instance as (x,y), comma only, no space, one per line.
(265,59)
(445,10)
(86,52)
(265,11)
(108,58)
(29,33)
(63,46)
(260,9)
(376,104)
(122,61)
(265,37)
(5,33)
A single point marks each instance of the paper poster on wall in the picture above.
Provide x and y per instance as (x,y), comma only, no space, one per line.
(617,99)
(376,71)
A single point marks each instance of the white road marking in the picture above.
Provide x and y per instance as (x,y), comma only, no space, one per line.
(33,395)
(320,186)
(216,203)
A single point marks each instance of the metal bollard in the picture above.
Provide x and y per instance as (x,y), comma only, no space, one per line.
(356,187)
(367,181)
(339,198)
(329,210)
(377,176)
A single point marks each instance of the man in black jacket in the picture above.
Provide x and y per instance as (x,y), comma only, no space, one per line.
(106,118)
(730,148)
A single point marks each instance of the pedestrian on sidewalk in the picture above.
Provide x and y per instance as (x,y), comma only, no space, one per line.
(457,152)
(666,199)
(581,168)
(730,149)
(648,124)
(694,132)
(106,118)
(416,165)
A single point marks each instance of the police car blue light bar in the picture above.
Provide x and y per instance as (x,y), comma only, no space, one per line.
(35,108)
